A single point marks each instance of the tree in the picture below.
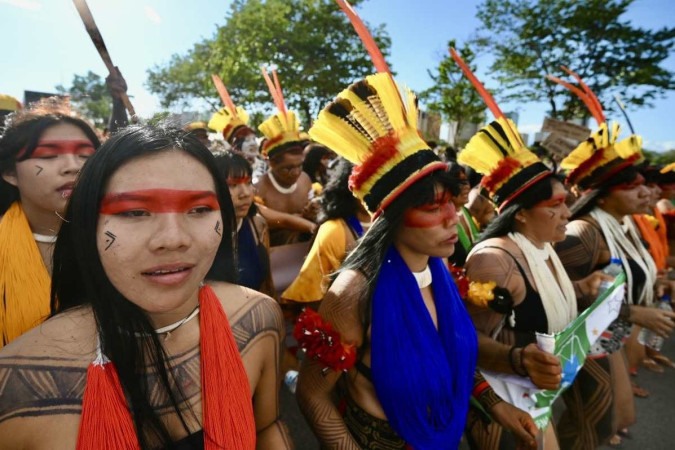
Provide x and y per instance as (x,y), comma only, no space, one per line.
(532,38)
(90,97)
(311,42)
(452,95)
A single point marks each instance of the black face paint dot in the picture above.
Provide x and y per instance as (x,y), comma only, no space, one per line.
(40,169)
(217,228)
(110,240)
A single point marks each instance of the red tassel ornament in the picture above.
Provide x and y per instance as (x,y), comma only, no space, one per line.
(106,422)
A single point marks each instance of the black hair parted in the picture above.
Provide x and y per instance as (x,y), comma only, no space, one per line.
(80,279)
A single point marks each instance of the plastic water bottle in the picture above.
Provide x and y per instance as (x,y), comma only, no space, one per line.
(291,380)
(613,269)
(648,337)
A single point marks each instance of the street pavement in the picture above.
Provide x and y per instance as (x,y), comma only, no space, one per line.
(654,430)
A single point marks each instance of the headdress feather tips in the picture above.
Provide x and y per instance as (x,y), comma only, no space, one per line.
(598,158)
(498,152)
(230,120)
(282,129)
(374,127)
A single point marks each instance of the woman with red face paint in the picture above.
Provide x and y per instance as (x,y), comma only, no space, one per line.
(515,253)
(611,188)
(42,149)
(253,260)
(140,353)
(392,339)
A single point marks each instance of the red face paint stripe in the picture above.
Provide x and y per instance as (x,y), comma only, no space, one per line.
(158,201)
(46,148)
(427,216)
(233,181)
(553,201)
(639,181)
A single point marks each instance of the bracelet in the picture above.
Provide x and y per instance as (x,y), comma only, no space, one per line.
(523,371)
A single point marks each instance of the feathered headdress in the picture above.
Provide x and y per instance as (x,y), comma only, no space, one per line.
(498,152)
(599,157)
(281,131)
(373,127)
(231,121)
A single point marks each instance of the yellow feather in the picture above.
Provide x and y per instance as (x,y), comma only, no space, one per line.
(630,147)
(390,99)
(364,114)
(336,134)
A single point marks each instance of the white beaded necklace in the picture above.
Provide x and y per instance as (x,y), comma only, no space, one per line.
(281,189)
(423,278)
(44,238)
(172,327)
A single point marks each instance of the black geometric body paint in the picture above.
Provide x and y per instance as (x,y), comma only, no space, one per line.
(110,240)
(552,213)
(218,228)
(40,169)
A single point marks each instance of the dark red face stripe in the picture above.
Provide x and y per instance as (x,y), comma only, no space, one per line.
(158,201)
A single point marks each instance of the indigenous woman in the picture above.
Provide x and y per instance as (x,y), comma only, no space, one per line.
(612,189)
(42,150)
(343,223)
(253,260)
(515,254)
(467,231)
(392,319)
(139,352)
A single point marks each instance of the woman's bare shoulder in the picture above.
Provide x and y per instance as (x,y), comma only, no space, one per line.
(71,334)
(249,312)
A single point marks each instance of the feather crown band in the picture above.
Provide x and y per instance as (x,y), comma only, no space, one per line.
(498,152)
(231,121)
(371,125)
(281,130)
(593,162)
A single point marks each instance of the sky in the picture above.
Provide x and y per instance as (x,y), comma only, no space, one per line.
(45,44)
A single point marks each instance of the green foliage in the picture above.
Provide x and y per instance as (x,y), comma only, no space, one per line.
(532,38)
(453,95)
(660,158)
(311,42)
(89,95)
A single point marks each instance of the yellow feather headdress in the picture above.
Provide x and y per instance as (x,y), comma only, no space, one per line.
(231,121)
(599,157)
(498,152)
(282,130)
(374,127)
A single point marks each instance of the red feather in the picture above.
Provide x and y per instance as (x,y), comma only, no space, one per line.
(366,37)
(503,172)
(383,150)
(322,342)
(224,95)
(585,167)
(487,98)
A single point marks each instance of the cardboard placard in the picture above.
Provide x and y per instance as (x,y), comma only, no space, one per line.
(558,145)
(566,129)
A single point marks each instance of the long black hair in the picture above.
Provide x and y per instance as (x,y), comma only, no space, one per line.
(589,200)
(503,223)
(314,153)
(79,278)
(368,257)
(337,201)
(21,134)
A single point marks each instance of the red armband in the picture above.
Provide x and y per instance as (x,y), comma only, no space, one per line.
(322,342)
